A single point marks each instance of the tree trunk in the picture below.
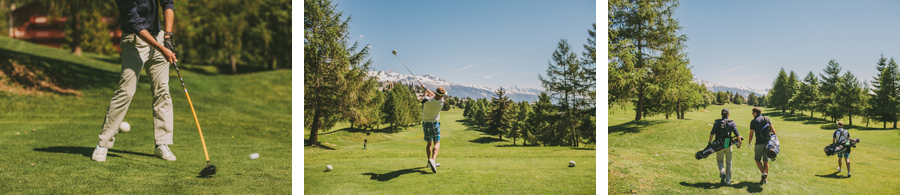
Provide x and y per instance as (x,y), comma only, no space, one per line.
(514,141)
(233,64)
(640,105)
(314,131)
(76,33)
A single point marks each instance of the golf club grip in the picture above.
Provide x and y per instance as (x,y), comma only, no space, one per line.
(202,140)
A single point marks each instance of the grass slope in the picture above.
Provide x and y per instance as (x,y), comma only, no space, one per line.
(471,163)
(656,156)
(240,115)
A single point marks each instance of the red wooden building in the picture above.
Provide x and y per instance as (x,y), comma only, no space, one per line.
(32,23)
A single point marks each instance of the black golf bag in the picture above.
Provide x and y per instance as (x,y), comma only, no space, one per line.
(714,147)
(844,146)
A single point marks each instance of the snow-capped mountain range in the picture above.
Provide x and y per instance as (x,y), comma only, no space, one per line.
(473,91)
(743,91)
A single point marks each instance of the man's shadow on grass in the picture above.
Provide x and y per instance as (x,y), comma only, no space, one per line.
(394,174)
(833,176)
(85,151)
(752,187)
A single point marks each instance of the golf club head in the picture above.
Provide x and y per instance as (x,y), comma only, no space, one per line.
(208,170)
(394,52)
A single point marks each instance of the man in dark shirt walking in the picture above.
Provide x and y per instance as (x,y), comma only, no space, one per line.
(141,49)
(723,129)
(761,127)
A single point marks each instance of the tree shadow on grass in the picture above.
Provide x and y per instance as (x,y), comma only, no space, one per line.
(358,130)
(752,187)
(833,176)
(632,127)
(85,151)
(394,174)
(318,145)
(486,140)
(510,145)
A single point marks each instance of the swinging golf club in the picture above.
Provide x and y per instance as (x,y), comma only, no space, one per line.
(209,169)
(407,68)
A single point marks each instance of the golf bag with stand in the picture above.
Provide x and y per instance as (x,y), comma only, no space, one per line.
(773,147)
(718,144)
(844,146)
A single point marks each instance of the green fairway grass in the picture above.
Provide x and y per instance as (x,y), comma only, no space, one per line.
(656,156)
(46,141)
(471,163)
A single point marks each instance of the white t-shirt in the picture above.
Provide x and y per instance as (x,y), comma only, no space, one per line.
(431,109)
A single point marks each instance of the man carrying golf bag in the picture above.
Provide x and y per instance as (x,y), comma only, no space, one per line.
(142,48)
(723,130)
(763,129)
(841,135)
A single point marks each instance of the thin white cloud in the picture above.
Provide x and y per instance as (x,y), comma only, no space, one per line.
(476,64)
(361,36)
(487,77)
(739,67)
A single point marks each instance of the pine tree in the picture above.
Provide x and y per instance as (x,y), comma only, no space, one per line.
(543,122)
(330,74)
(884,103)
(848,97)
(500,118)
(807,94)
(780,92)
(639,35)
(791,87)
(751,99)
(828,88)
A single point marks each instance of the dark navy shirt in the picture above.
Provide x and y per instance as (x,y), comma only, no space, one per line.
(137,15)
(762,136)
(720,133)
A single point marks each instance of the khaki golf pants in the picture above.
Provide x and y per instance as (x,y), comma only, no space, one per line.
(724,164)
(136,55)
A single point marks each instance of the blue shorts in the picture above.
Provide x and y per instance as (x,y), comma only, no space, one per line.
(432,131)
(844,155)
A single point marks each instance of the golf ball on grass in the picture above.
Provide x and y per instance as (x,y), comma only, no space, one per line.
(124,127)
(571,163)
(254,156)
(328,168)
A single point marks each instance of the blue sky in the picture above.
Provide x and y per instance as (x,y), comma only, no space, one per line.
(747,42)
(489,43)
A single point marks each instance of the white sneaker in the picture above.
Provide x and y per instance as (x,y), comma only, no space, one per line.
(163,152)
(432,165)
(99,154)
(839,169)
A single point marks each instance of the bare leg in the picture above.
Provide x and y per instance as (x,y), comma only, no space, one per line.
(437,147)
(848,165)
(766,165)
(428,150)
(839,162)
(760,166)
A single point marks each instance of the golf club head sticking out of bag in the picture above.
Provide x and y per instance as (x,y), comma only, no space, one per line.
(715,146)
(209,169)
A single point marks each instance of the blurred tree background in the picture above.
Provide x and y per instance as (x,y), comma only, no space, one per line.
(229,33)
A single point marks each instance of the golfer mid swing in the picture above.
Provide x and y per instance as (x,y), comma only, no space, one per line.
(141,45)
(431,113)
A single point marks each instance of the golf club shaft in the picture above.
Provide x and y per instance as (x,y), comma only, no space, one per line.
(193,112)
(410,71)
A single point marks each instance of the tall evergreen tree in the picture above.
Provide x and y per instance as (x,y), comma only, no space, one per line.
(499,123)
(792,85)
(543,123)
(848,97)
(830,80)
(807,97)
(330,76)
(780,92)
(645,29)
(883,106)
(570,85)
(751,99)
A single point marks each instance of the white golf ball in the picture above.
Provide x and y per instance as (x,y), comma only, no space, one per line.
(124,127)
(254,156)
(328,167)
(571,163)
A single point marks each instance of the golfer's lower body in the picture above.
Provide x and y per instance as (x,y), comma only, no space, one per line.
(723,158)
(762,161)
(432,132)
(846,156)
(137,55)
